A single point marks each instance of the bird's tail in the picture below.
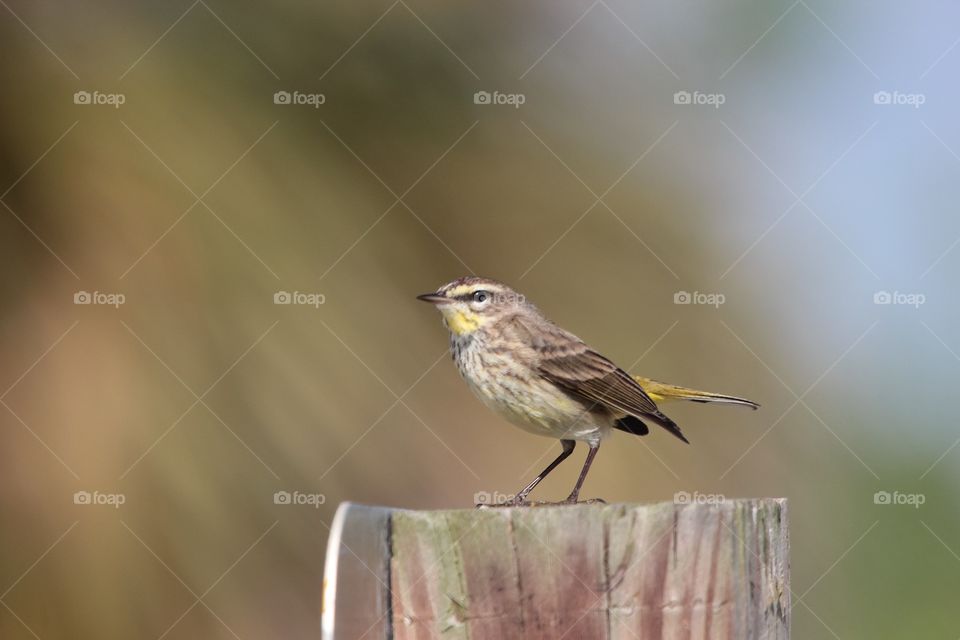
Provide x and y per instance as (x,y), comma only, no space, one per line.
(659,391)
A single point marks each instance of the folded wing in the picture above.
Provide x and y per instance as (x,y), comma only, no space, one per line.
(592,377)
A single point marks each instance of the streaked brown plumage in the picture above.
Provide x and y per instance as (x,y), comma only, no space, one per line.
(543,378)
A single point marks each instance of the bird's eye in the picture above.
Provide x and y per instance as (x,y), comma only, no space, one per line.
(480,296)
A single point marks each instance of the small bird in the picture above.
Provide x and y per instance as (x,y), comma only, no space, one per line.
(546,380)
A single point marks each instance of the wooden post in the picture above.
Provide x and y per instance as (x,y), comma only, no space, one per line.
(626,572)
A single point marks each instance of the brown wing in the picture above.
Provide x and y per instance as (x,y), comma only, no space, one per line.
(565,360)
(592,376)
(589,375)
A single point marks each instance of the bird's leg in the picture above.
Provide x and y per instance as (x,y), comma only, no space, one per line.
(574,496)
(521,497)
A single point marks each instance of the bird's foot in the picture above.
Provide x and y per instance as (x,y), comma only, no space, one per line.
(576,500)
(519,500)
(543,503)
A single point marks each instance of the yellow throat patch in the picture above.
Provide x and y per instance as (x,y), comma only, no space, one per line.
(461,322)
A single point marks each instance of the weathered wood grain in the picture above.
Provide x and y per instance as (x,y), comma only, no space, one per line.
(665,571)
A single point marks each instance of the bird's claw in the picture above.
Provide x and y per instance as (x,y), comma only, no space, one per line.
(527,503)
(575,500)
(518,501)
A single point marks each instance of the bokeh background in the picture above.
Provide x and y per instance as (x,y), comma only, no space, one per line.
(601,197)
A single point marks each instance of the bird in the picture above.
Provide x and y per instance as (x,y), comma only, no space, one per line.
(547,381)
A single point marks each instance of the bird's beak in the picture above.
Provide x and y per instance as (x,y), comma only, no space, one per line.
(433,298)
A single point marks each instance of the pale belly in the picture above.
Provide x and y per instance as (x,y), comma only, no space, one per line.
(533,404)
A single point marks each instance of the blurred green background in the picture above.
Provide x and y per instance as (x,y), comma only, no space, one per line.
(199,198)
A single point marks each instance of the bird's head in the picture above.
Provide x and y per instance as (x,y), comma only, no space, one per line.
(469,303)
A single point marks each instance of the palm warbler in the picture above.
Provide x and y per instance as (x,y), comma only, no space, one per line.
(546,380)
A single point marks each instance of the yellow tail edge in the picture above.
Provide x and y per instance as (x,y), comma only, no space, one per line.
(660,391)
